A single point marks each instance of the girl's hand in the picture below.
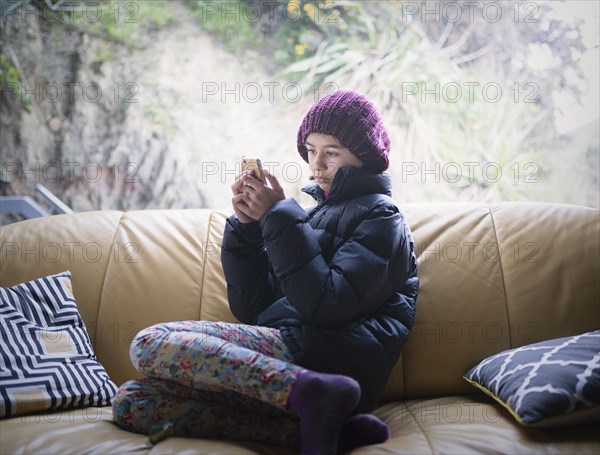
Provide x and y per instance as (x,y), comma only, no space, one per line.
(257,198)
(274,184)
(239,207)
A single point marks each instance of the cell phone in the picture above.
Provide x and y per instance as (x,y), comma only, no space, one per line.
(254,165)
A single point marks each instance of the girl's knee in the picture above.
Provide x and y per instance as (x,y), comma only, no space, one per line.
(152,332)
(129,403)
(144,341)
(134,388)
(163,329)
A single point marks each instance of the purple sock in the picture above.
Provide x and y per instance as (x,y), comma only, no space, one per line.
(324,403)
(363,430)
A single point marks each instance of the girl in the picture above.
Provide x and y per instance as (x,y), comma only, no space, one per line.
(326,299)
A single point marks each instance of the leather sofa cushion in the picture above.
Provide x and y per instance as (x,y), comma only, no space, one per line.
(454,424)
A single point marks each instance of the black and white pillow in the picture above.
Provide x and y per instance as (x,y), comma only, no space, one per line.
(548,384)
(47,361)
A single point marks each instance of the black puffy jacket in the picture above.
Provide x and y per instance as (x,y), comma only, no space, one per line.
(339,282)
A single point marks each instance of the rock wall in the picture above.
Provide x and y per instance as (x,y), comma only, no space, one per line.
(98,132)
(158,122)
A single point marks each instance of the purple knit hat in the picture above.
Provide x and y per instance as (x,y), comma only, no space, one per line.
(354,121)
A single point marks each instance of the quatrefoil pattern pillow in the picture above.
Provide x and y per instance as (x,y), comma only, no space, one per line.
(548,384)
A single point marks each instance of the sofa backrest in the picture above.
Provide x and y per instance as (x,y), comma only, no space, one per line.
(492,277)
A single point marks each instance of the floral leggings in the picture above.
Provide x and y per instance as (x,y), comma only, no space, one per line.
(211,380)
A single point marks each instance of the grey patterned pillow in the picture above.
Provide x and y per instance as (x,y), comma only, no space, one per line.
(548,384)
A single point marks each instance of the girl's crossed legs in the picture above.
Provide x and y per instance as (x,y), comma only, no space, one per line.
(236,381)
(192,370)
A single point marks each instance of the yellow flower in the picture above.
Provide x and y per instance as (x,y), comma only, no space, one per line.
(300,48)
(311,11)
(293,7)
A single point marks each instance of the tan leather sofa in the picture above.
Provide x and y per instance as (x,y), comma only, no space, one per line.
(492,277)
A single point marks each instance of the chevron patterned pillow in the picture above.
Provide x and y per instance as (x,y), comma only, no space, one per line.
(47,361)
(549,384)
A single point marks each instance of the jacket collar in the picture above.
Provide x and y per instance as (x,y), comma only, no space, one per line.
(350,182)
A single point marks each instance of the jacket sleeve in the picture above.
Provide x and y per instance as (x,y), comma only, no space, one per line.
(368,268)
(250,287)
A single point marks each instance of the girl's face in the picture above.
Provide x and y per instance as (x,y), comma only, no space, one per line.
(325,156)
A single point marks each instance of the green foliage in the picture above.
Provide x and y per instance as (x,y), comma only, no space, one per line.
(123,21)
(158,112)
(121,25)
(10,81)
(127,22)
(283,31)
(223,20)
(100,57)
(418,73)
